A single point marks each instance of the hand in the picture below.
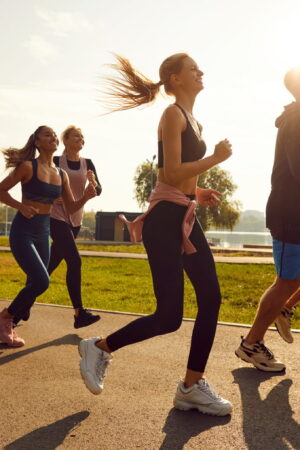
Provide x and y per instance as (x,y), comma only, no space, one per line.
(223,150)
(58,201)
(28,211)
(91,178)
(89,192)
(208,197)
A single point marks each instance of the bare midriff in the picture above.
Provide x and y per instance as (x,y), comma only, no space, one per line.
(42,208)
(187,186)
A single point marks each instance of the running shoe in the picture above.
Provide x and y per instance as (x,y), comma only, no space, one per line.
(260,356)
(201,396)
(85,318)
(93,364)
(8,335)
(283,324)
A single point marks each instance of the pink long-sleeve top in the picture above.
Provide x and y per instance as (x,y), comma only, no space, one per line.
(165,192)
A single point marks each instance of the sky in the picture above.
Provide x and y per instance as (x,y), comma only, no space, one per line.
(53,54)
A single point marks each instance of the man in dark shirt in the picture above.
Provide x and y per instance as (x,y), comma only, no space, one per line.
(283,221)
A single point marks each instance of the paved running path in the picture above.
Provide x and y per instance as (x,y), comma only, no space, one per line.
(223,259)
(45,405)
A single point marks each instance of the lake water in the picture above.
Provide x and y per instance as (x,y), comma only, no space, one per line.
(238,238)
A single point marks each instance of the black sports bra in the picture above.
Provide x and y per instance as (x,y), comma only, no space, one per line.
(39,191)
(192,148)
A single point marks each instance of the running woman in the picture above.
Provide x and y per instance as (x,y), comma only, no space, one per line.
(65,225)
(41,183)
(283,221)
(172,236)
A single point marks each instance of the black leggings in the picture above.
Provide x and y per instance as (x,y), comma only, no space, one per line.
(64,247)
(162,237)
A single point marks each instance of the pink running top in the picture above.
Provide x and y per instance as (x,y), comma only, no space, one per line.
(78,179)
(165,192)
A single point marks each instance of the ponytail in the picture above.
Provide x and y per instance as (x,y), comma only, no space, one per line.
(130,89)
(15,156)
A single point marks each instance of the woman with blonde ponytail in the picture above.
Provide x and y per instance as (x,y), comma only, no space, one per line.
(171,233)
(65,226)
(41,184)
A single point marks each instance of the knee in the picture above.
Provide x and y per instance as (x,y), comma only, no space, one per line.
(169,325)
(286,285)
(40,285)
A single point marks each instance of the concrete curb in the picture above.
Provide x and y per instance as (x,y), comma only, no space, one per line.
(185,319)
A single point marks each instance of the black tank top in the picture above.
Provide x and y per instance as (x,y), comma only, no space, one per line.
(39,191)
(192,148)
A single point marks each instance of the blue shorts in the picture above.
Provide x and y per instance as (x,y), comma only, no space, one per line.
(287,259)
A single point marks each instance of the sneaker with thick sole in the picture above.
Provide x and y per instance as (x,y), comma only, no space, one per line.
(17,340)
(93,364)
(260,356)
(85,318)
(283,324)
(201,396)
(8,335)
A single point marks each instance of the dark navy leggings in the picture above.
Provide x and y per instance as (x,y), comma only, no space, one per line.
(29,242)
(162,237)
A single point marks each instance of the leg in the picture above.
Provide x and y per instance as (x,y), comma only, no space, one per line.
(200,268)
(287,262)
(64,247)
(270,306)
(252,348)
(33,259)
(293,300)
(162,240)
(196,392)
(29,240)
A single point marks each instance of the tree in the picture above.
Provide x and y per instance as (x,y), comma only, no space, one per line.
(226,214)
(144,179)
(223,216)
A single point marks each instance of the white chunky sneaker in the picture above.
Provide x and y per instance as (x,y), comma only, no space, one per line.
(93,364)
(260,356)
(283,324)
(201,396)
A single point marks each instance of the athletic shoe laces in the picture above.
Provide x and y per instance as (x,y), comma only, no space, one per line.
(101,365)
(266,351)
(208,389)
(288,314)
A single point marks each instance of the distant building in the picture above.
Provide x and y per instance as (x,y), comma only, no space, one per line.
(110,228)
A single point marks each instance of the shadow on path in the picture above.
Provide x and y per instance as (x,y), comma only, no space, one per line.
(267,423)
(181,426)
(50,436)
(69,339)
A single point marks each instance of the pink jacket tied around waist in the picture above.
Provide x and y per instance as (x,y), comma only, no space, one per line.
(165,192)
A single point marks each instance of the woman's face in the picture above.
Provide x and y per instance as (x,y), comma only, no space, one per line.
(190,76)
(47,140)
(75,140)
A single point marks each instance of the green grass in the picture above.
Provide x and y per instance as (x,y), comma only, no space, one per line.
(131,248)
(126,285)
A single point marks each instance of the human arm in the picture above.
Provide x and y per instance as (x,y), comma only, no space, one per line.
(68,199)
(93,177)
(208,197)
(290,141)
(173,124)
(21,174)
